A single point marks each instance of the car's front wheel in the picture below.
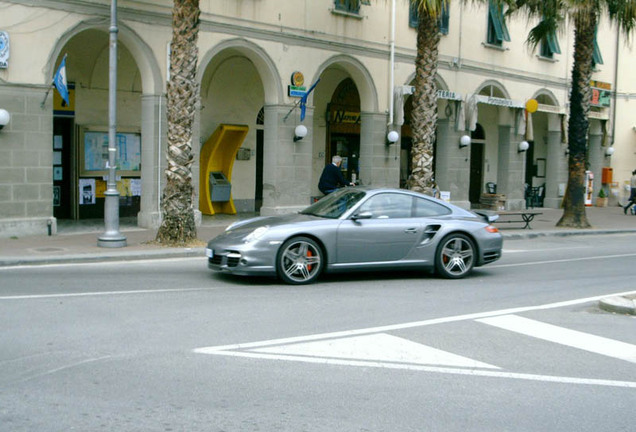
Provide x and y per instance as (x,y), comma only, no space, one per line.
(299,261)
(455,256)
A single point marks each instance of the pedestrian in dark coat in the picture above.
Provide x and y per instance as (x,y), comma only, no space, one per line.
(331,178)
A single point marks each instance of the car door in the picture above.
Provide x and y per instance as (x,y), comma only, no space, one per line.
(387,235)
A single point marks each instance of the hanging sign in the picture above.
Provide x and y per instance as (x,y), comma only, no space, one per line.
(601,94)
(296,89)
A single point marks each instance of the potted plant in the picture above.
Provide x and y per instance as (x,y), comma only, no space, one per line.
(601,200)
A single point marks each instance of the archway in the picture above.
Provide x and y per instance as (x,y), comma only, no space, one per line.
(233,91)
(81,129)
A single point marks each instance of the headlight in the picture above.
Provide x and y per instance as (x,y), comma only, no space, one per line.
(256,234)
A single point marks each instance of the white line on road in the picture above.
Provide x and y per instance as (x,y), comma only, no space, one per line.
(594,258)
(393,327)
(563,336)
(433,369)
(99,293)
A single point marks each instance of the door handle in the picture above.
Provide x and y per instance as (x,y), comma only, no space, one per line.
(411,230)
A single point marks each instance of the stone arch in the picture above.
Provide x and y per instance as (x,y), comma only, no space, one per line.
(493,88)
(151,79)
(360,76)
(268,72)
(545,97)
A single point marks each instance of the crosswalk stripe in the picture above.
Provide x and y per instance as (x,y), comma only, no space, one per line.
(379,347)
(563,336)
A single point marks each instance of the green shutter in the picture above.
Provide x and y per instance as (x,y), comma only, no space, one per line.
(498,21)
(553,43)
(596,54)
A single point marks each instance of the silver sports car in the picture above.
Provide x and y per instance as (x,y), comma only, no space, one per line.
(359,229)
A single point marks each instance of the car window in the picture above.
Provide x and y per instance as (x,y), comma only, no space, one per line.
(426,208)
(335,204)
(388,206)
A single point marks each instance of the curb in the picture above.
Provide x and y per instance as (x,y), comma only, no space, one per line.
(621,305)
(530,234)
(104,257)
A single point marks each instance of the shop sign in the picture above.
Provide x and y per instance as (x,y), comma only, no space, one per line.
(4,50)
(341,116)
(447,94)
(296,89)
(490,100)
(601,94)
(441,94)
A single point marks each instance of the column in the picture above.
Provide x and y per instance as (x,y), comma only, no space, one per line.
(452,163)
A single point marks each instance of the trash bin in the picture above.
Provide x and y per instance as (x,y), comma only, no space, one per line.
(220,187)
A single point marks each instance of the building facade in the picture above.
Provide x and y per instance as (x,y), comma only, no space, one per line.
(256,58)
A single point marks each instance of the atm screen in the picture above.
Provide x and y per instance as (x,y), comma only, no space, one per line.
(218,176)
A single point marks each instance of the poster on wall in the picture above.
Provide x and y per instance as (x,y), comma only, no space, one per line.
(94,154)
(57,196)
(87,191)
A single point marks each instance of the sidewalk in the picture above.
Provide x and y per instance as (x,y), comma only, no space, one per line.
(77,241)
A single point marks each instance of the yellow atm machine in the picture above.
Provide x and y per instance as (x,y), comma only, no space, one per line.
(215,173)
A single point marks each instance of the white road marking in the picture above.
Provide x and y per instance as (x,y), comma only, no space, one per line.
(378,347)
(98,293)
(343,350)
(525,264)
(563,336)
(431,369)
(393,327)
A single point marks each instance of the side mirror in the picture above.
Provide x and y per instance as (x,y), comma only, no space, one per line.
(362,215)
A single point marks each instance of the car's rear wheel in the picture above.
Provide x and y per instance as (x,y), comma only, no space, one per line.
(299,261)
(455,256)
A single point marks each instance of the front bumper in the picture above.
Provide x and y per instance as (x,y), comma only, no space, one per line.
(240,261)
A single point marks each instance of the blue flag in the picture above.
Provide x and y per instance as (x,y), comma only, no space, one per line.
(303,100)
(60,81)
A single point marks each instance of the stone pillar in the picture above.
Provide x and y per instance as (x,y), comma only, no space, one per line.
(379,162)
(452,163)
(596,155)
(511,165)
(153,133)
(287,165)
(26,162)
(556,170)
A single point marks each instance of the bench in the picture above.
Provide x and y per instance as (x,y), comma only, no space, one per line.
(520,216)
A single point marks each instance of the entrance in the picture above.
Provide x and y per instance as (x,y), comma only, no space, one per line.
(64,172)
(348,147)
(477,147)
(343,128)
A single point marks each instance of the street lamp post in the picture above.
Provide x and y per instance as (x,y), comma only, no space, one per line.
(112,237)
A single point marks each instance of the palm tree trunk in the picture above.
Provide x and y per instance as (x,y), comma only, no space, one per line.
(424,114)
(574,201)
(178,226)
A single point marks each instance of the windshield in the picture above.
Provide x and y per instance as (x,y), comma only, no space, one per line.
(335,204)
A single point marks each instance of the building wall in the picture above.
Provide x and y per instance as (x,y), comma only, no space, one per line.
(248,51)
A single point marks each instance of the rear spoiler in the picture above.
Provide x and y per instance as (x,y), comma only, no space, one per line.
(488,215)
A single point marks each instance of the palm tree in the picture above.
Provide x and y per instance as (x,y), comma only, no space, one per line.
(585,15)
(424,99)
(178,226)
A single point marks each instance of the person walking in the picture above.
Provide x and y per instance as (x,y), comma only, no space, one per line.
(632,194)
(331,178)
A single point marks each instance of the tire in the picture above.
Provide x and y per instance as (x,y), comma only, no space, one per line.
(299,261)
(455,256)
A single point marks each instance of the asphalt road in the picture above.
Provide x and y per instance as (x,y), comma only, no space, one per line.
(166,345)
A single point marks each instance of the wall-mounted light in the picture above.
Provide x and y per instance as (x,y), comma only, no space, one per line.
(300,132)
(609,151)
(523,146)
(392,137)
(464,141)
(4,118)
(567,151)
